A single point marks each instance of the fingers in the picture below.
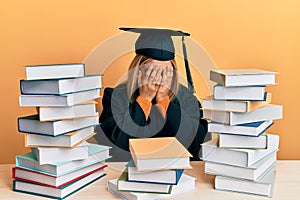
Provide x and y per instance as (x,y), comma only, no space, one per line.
(140,83)
(152,75)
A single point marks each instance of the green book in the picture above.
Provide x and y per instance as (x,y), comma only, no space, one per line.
(128,186)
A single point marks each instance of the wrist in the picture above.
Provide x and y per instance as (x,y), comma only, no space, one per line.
(160,97)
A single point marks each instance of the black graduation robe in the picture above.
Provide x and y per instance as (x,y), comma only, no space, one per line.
(121,120)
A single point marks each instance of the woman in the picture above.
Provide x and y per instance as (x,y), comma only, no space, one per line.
(152,103)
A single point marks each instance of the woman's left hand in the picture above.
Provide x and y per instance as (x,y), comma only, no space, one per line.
(165,86)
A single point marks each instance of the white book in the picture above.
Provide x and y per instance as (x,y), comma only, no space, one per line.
(263,186)
(129,186)
(31,124)
(267,112)
(68,140)
(56,113)
(60,86)
(58,193)
(185,184)
(46,155)
(58,100)
(209,103)
(250,129)
(253,172)
(243,142)
(237,157)
(250,93)
(97,153)
(54,71)
(243,77)
(53,181)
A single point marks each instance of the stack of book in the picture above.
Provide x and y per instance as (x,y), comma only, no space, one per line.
(61,162)
(156,171)
(243,155)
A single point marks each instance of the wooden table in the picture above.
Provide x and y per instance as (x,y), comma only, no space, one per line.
(287,184)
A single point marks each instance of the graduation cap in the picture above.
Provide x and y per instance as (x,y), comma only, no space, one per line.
(157,44)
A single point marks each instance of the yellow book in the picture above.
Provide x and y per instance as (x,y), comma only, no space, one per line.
(159,154)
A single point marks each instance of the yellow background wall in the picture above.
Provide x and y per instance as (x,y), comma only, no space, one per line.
(236,34)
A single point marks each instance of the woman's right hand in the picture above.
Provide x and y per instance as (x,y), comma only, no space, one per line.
(149,81)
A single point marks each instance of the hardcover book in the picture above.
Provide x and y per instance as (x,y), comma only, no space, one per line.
(97,153)
(86,109)
(170,176)
(130,186)
(31,124)
(185,184)
(237,157)
(46,155)
(242,106)
(264,186)
(246,93)
(60,86)
(53,181)
(159,153)
(267,112)
(243,142)
(58,193)
(253,172)
(250,129)
(68,140)
(243,77)
(54,71)
(59,100)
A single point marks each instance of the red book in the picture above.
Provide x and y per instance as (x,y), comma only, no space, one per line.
(53,181)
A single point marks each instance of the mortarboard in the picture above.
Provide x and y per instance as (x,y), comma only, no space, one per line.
(157,44)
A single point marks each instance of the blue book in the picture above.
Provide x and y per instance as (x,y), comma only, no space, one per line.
(97,153)
(56,193)
(253,129)
(169,177)
(31,124)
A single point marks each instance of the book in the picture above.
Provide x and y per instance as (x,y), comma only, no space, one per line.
(243,142)
(128,186)
(53,181)
(60,86)
(248,93)
(68,140)
(185,184)
(264,186)
(58,193)
(97,153)
(250,129)
(170,176)
(59,100)
(52,113)
(243,77)
(209,103)
(54,71)
(46,155)
(267,112)
(253,172)
(31,124)
(159,153)
(237,157)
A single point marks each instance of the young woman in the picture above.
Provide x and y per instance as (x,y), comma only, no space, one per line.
(152,102)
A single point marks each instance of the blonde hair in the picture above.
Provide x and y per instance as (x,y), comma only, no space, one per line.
(132,82)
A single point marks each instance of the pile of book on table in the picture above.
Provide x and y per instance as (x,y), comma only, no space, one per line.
(61,162)
(156,171)
(243,155)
